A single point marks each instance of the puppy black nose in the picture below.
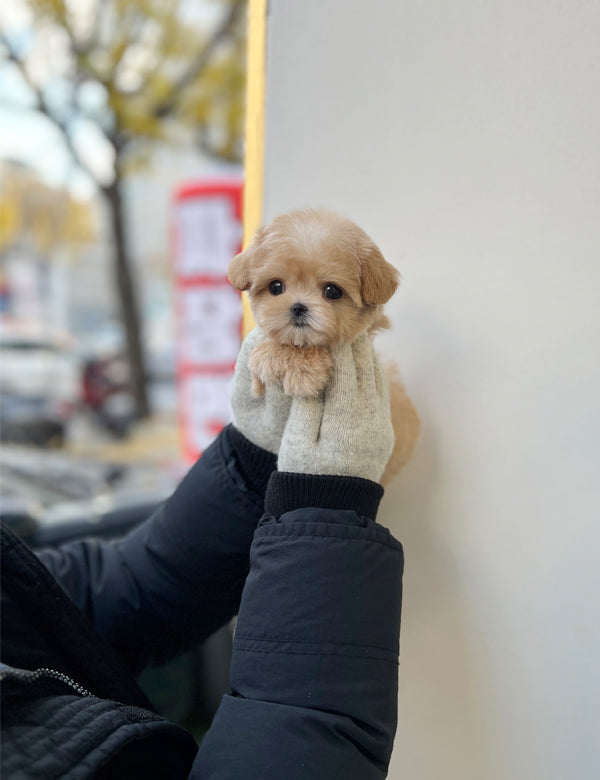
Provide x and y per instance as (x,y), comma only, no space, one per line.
(298,309)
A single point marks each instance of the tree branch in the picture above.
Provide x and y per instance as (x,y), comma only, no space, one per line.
(219,151)
(43,107)
(200,63)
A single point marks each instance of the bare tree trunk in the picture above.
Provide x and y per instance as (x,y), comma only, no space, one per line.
(128,299)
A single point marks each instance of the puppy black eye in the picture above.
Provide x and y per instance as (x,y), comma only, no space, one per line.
(276,287)
(333,292)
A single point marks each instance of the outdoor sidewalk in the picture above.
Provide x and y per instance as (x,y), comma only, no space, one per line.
(154,441)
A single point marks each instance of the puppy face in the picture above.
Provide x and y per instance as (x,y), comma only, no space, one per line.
(314,279)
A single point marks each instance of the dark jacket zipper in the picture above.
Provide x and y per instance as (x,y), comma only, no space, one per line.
(28,677)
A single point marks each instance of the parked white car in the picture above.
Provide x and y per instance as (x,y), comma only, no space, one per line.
(40,387)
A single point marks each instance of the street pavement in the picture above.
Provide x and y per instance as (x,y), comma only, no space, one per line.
(154,441)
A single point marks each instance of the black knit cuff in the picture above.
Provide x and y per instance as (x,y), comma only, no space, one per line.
(287,491)
(255,464)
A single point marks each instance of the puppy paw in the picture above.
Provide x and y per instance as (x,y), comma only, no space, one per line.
(307,372)
(263,367)
(302,371)
(258,387)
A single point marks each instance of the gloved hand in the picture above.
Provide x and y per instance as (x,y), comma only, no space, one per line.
(260,419)
(348,431)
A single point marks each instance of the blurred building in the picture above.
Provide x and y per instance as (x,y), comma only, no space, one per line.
(149,199)
(69,286)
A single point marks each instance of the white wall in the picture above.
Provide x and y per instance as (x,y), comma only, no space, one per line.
(465,138)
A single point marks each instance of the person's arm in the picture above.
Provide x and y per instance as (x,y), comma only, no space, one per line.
(314,669)
(179,576)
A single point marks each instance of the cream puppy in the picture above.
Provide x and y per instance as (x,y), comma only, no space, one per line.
(316,280)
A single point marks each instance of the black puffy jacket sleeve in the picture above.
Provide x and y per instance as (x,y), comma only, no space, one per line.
(178,577)
(314,673)
(316,584)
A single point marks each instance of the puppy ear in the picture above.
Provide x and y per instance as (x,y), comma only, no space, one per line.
(378,278)
(240,268)
(238,272)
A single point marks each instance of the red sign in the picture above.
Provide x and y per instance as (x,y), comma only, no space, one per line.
(206,234)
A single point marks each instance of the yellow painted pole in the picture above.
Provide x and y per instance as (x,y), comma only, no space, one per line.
(255,129)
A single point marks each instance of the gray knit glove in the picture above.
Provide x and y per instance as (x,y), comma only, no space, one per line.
(348,431)
(260,419)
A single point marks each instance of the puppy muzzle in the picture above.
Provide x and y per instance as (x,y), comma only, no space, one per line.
(299,314)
